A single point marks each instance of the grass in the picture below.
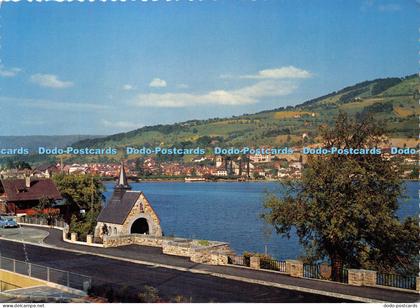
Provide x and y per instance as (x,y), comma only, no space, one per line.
(408,86)
(360,105)
(289,114)
(203,243)
(404,111)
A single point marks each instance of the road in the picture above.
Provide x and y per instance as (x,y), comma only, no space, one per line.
(169,283)
(231,290)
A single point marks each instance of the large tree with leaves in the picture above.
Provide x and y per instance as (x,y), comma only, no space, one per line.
(81,192)
(344,207)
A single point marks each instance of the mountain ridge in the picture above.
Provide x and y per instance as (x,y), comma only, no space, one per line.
(394,101)
(381,97)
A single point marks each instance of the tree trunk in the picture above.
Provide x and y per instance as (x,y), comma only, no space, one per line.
(336,267)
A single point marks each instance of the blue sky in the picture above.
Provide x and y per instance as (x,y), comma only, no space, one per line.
(102,68)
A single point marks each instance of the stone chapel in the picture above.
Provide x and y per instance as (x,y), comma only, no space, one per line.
(127,212)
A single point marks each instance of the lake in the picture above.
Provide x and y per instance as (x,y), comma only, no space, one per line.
(230,212)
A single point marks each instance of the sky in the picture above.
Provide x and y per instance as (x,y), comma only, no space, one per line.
(103,68)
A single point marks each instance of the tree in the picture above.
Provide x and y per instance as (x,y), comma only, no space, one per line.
(20,165)
(344,208)
(81,192)
(43,204)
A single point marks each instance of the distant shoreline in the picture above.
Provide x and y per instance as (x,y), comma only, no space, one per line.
(166,180)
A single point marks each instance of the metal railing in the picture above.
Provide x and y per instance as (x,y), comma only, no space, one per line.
(65,278)
(274,265)
(311,271)
(314,271)
(343,275)
(55,222)
(396,281)
(239,260)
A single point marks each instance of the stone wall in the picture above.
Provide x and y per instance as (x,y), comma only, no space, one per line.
(216,253)
(153,241)
(355,277)
(182,249)
(218,259)
(133,239)
(116,241)
(360,277)
(212,252)
(294,268)
(369,278)
(254,262)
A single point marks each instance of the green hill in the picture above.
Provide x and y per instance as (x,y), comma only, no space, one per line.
(393,100)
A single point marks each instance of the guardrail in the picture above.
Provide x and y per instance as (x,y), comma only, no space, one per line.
(274,265)
(314,271)
(65,278)
(54,222)
(396,281)
(239,260)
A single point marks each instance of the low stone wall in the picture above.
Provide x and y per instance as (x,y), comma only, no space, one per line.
(294,268)
(360,277)
(175,248)
(116,241)
(148,241)
(74,239)
(218,259)
(215,254)
(198,251)
(133,239)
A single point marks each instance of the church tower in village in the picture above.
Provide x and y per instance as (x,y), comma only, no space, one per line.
(127,212)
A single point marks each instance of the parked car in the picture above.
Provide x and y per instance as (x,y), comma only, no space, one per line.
(7,222)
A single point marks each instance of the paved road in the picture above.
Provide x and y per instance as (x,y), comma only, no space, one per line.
(155,255)
(198,287)
(25,234)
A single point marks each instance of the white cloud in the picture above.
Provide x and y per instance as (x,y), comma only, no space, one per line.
(242,96)
(120,124)
(157,83)
(269,83)
(285,72)
(10,72)
(50,81)
(128,87)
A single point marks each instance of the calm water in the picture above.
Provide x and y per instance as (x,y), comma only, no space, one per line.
(230,212)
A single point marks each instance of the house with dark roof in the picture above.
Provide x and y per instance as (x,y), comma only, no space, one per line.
(20,196)
(127,212)
(46,170)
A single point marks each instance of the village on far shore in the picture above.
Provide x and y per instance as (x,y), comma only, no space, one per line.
(257,167)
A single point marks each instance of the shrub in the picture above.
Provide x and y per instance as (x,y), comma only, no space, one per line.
(150,295)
